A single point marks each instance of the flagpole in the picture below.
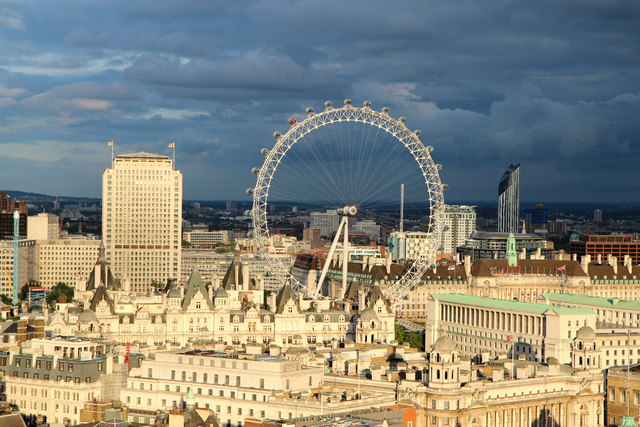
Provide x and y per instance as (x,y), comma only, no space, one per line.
(358,373)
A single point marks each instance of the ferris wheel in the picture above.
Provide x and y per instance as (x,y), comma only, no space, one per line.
(350,159)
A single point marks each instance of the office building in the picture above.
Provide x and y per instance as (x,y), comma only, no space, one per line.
(44,226)
(536,219)
(65,261)
(142,219)
(408,244)
(327,222)
(597,215)
(28,264)
(312,236)
(6,225)
(488,327)
(509,200)
(369,227)
(617,245)
(459,221)
(493,245)
(207,238)
(5,202)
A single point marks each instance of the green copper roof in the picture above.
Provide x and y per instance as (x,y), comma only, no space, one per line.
(594,301)
(628,422)
(528,307)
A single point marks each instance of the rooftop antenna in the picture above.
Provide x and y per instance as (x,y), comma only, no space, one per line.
(110,144)
(173,146)
(401,208)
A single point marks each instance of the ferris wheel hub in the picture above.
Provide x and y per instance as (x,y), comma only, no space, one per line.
(348,211)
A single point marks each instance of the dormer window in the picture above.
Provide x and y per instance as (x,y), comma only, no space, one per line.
(266,319)
(290,309)
(311,318)
(198,305)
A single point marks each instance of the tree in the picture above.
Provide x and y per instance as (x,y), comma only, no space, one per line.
(6,299)
(60,289)
(24,290)
(415,339)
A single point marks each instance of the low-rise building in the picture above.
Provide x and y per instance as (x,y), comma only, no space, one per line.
(55,377)
(240,386)
(486,327)
(507,392)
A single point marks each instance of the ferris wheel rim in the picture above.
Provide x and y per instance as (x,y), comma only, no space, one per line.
(365,115)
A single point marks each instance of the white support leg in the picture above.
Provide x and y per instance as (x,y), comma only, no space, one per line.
(345,256)
(325,268)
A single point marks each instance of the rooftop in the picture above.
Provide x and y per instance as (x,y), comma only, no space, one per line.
(595,301)
(528,307)
(141,155)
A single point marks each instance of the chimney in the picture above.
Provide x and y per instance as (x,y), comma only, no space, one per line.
(614,264)
(628,263)
(388,263)
(574,257)
(467,265)
(584,263)
(599,258)
(609,257)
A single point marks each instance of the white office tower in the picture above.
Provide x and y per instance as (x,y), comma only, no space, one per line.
(142,219)
(459,222)
(509,200)
(44,226)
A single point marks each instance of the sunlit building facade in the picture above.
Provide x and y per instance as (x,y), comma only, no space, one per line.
(141,219)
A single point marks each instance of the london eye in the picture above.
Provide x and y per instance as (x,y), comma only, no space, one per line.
(351,161)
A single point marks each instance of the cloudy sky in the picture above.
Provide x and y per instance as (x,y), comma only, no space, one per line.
(553,84)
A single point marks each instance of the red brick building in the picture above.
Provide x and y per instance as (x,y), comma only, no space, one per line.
(617,245)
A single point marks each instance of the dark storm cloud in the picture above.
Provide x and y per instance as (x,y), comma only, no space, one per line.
(551,84)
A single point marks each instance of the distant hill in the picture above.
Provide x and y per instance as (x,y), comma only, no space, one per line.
(26,196)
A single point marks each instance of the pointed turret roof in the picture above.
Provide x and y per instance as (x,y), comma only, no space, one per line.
(286,294)
(230,279)
(352,291)
(195,284)
(99,295)
(103,266)
(375,295)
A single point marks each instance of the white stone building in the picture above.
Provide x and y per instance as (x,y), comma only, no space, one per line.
(44,226)
(233,311)
(459,221)
(142,219)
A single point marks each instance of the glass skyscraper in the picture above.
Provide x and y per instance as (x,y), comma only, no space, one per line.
(509,200)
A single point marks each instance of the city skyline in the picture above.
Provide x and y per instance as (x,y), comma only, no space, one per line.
(551,86)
